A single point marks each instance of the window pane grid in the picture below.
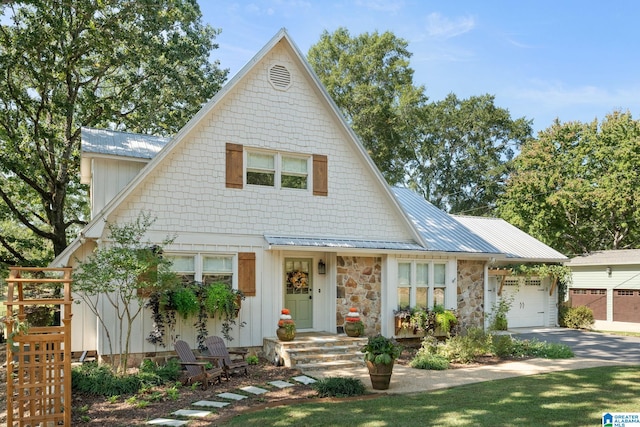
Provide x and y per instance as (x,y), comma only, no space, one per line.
(217,265)
(294,166)
(416,283)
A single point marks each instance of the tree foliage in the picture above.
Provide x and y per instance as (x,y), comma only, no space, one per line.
(454,152)
(118,275)
(461,162)
(575,186)
(369,78)
(130,65)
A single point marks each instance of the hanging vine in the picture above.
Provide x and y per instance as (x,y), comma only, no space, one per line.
(204,302)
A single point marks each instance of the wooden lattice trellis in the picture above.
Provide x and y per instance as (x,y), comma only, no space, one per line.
(39,358)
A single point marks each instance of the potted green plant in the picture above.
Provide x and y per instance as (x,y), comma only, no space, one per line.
(185,301)
(223,302)
(444,320)
(353,326)
(380,354)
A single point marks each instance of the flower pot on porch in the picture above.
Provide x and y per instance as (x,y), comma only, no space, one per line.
(380,374)
(286,333)
(353,329)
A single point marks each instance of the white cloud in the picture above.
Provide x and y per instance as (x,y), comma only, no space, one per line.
(382,5)
(441,27)
(557,94)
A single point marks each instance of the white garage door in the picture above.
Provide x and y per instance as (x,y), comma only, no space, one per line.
(529,302)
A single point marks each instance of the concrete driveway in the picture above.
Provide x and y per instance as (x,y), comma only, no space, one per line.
(589,345)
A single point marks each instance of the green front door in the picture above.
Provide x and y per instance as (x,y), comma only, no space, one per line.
(298,290)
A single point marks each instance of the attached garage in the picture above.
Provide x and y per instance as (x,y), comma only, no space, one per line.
(531,306)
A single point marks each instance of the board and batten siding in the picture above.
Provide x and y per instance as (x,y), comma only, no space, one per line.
(110,176)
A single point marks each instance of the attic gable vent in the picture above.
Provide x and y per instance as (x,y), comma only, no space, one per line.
(279,77)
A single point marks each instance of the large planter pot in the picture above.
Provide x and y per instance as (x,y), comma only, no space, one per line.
(380,374)
(284,334)
(352,329)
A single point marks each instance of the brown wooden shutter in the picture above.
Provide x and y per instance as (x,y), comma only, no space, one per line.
(247,273)
(234,165)
(320,184)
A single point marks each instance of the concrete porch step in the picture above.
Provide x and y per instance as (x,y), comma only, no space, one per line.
(298,358)
(330,365)
(316,351)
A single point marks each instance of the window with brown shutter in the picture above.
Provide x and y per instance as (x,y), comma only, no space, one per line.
(320,185)
(247,273)
(234,165)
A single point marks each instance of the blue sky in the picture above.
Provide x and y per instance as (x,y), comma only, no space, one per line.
(566,59)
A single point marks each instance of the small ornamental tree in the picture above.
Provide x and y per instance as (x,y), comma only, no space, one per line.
(113,280)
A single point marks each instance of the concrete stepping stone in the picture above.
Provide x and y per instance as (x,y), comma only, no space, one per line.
(167,422)
(210,404)
(281,384)
(304,379)
(254,390)
(191,413)
(231,396)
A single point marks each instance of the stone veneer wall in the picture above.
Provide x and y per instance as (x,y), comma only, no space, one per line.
(359,286)
(470,294)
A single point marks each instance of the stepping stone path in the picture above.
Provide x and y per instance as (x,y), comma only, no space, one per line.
(303,379)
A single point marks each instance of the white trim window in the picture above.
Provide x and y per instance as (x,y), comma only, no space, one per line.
(421,284)
(205,268)
(277,170)
(217,269)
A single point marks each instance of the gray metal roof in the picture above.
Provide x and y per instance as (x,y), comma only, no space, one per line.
(510,240)
(439,229)
(612,257)
(324,242)
(108,142)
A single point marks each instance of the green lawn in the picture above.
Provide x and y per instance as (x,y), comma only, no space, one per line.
(569,398)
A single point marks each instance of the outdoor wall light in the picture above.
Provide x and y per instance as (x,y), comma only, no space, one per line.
(322,268)
(609,271)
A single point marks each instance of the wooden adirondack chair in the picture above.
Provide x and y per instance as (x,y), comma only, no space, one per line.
(217,348)
(197,366)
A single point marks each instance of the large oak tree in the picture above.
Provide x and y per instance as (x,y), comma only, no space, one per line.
(454,152)
(369,78)
(461,161)
(575,186)
(130,65)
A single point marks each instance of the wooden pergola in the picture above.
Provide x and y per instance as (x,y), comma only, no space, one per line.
(504,272)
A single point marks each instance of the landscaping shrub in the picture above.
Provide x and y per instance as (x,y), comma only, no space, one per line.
(466,348)
(502,345)
(100,380)
(580,317)
(339,387)
(535,348)
(151,373)
(434,362)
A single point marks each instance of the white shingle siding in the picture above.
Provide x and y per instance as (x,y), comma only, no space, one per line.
(295,121)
